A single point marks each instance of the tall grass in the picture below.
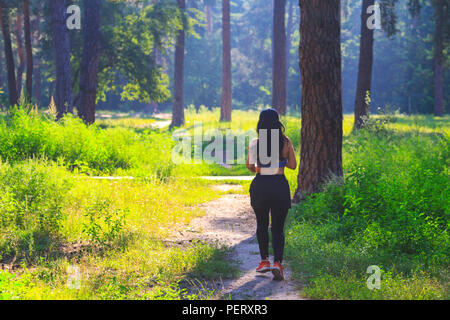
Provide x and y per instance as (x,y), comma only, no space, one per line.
(32,200)
(86,149)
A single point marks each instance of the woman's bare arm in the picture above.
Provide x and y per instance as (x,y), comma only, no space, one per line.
(250,167)
(292,161)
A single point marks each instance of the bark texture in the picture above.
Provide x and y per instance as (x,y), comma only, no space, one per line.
(9,58)
(288,37)
(365,68)
(279,57)
(28,49)
(178,104)
(89,63)
(20,53)
(208,18)
(320,65)
(225,111)
(61,45)
(37,90)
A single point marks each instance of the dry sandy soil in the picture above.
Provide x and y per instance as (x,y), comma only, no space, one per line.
(230,221)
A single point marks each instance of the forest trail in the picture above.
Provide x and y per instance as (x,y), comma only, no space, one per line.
(230,221)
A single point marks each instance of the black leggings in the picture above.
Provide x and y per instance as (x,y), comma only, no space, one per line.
(270,193)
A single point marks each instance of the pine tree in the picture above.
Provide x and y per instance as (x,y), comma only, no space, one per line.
(320,64)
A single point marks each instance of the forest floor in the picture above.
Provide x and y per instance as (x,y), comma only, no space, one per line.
(229,221)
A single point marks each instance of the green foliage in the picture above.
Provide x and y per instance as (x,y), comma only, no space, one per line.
(391,210)
(177,273)
(31,208)
(104,224)
(50,217)
(173,274)
(86,149)
(417,287)
(132,35)
(403,51)
(13,287)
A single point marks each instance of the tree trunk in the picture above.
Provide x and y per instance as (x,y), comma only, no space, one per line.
(178,104)
(438,59)
(320,65)
(288,38)
(9,57)
(20,53)
(37,90)
(279,57)
(414,34)
(1,73)
(89,63)
(362,106)
(225,111)
(152,107)
(29,50)
(208,18)
(61,45)
(51,89)
(438,90)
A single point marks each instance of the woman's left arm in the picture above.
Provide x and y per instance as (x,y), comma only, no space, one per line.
(292,161)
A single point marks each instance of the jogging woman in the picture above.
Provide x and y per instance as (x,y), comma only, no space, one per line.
(269,190)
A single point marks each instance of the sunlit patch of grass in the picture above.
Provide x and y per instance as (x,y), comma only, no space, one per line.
(351,287)
(151,206)
(137,266)
(145,270)
(421,124)
(136,123)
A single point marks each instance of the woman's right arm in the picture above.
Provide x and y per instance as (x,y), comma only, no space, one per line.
(250,167)
(251,157)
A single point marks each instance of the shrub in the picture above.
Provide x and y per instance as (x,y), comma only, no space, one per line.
(82,148)
(391,210)
(105,223)
(31,202)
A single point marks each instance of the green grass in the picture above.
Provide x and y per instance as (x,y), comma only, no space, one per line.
(114,231)
(146,270)
(346,286)
(52,215)
(130,262)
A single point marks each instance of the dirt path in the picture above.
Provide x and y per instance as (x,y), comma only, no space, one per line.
(230,221)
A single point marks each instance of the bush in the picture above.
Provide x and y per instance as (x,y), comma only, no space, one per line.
(391,210)
(105,223)
(82,148)
(31,208)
